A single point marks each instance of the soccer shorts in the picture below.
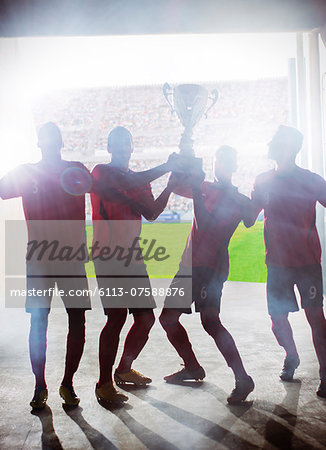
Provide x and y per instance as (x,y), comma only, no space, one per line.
(201,285)
(124,287)
(281,298)
(70,279)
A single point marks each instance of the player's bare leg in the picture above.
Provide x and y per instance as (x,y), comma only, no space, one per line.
(74,351)
(109,341)
(317,322)
(283,332)
(178,337)
(225,343)
(134,343)
(37,344)
(37,352)
(108,347)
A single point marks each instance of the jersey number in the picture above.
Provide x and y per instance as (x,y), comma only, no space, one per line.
(203,293)
(312,292)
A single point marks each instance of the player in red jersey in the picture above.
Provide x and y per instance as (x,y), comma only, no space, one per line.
(218,210)
(52,190)
(288,195)
(119,226)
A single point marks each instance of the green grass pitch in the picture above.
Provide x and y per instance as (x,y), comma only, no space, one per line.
(246,250)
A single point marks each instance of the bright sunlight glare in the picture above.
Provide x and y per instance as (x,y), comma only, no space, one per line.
(33,66)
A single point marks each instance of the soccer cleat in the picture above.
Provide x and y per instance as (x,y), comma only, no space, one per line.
(186,374)
(290,364)
(321,392)
(108,394)
(69,396)
(243,387)
(132,376)
(40,398)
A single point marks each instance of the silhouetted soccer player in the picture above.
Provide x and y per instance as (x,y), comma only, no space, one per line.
(218,210)
(288,195)
(118,225)
(52,190)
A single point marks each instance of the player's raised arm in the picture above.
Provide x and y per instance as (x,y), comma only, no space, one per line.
(181,184)
(151,208)
(134,180)
(104,191)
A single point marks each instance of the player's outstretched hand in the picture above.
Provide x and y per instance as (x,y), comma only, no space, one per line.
(175,162)
(178,179)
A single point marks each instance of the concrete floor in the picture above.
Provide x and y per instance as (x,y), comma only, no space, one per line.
(162,416)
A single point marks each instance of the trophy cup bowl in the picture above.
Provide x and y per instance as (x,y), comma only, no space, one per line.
(190,104)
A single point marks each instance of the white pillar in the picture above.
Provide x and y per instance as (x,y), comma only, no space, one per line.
(316,136)
(302,100)
(316,132)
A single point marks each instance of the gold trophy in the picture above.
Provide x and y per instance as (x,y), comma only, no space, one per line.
(190,104)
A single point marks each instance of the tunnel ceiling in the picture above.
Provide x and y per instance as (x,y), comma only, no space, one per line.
(107,17)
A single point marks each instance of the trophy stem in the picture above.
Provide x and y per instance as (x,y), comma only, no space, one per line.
(186,143)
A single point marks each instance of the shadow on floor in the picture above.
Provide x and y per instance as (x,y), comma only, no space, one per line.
(94,437)
(148,437)
(201,425)
(49,437)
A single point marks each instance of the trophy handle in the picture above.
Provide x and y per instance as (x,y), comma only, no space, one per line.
(167,94)
(214,100)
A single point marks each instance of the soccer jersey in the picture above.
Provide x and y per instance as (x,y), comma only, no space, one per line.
(49,192)
(209,247)
(53,201)
(122,219)
(289,203)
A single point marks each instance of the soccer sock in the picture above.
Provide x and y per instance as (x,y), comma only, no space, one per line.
(109,341)
(75,344)
(226,345)
(37,345)
(178,337)
(136,339)
(283,332)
